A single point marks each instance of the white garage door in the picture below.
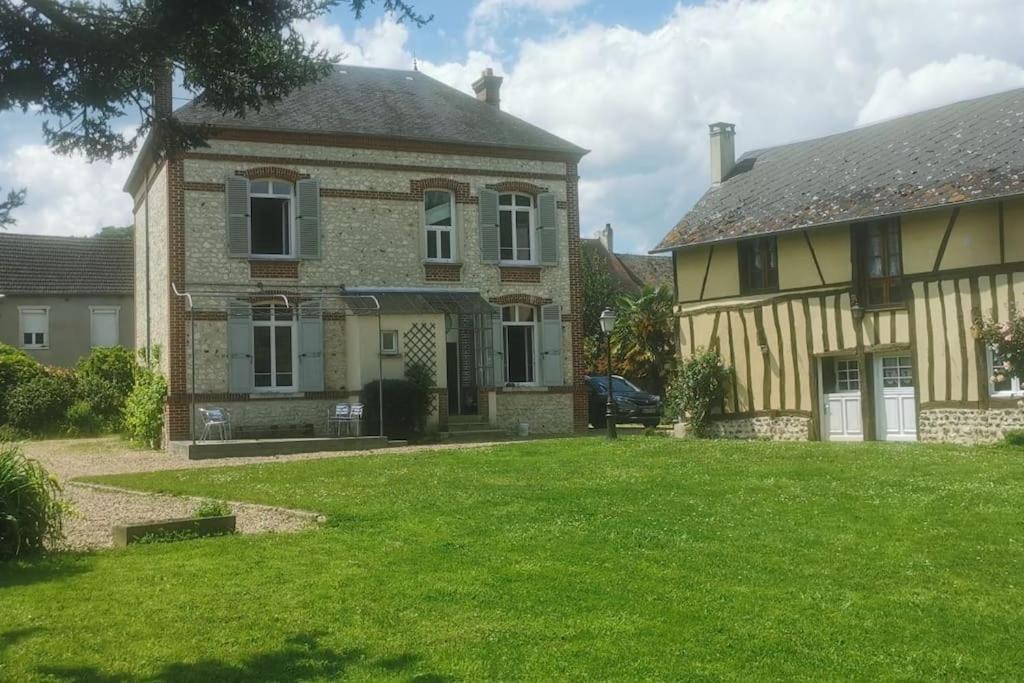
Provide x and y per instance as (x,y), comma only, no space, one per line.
(896,413)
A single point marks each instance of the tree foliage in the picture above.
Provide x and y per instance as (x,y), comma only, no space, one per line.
(85,64)
(600,291)
(643,342)
(697,387)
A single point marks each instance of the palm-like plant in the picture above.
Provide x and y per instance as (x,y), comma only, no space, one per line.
(643,342)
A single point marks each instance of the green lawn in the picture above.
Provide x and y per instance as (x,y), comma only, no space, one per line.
(649,558)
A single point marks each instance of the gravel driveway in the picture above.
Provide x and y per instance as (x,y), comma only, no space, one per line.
(99,508)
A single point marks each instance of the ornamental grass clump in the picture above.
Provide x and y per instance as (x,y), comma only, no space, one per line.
(31,509)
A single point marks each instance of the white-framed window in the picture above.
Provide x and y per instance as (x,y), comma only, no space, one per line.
(847,375)
(897,372)
(34,327)
(271,211)
(515,228)
(273,348)
(1000,381)
(519,336)
(439,225)
(103,325)
(389,342)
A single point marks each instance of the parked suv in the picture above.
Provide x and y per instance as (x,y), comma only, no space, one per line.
(632,404)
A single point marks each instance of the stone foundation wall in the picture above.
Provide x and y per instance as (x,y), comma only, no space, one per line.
(267,412)
(546,413)
(968,426)
(773,427)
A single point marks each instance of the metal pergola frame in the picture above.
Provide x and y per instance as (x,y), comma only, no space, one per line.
(344,302)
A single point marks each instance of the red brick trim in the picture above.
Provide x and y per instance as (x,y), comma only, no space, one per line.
(561,204)
(204,187)
(580,404)
(339,193)
(291,175)
(211,396)
(377,142)
(517,186)
(206,314)
(274,269)
(521,274)
(333,315)
(442,272)
(565,389)
(176,414)
(524,299)
(460,190)
(369,165)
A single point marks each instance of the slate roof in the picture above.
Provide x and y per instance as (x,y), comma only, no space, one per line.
(390,103)
(967,151)
(633,271)
(44,265)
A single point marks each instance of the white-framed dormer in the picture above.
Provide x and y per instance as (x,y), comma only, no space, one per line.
(440,234)
(517,241)
(34,327)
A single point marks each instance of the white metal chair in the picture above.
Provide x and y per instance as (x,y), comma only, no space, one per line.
(216,418)
(356,418)
(339,417)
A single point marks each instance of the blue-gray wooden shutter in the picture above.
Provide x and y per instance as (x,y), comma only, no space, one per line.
(311,347)
(239,347)
(236,203)
(488,212)
(307,217)
(498,351)
(551,345)
(547,228)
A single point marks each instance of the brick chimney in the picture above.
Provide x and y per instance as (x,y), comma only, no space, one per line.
(163,89)
(607,238)
(488,88)
(723,150)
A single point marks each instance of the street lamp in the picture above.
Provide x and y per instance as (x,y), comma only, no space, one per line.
(607,325)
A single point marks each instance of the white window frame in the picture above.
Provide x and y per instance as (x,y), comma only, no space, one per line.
(274,323)
(899,366)
(45,311)
(384,349)
(450,229)
(514,209)
(1015,384)
(515,322)
(290,242)
(93,310)
(844,365)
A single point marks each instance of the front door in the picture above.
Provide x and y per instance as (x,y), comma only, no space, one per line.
(895,406)
(840,381)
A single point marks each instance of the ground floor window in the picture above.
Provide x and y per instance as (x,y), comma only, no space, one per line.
(847,375)
(1000,381)
(273,344)
(897,372)
(35,327)
(519,332)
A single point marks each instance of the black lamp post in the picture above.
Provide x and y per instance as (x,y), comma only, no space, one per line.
(607,325)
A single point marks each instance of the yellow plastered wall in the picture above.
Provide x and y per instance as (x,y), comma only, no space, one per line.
(832,247)
(921,236)
(974,240)
(796,264)
(1013,230)
(724,276)
(690,267)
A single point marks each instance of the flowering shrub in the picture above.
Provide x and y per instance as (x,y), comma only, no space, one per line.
(697,388)
(1007,341)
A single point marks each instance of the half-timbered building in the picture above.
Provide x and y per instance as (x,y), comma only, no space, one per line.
(840,278)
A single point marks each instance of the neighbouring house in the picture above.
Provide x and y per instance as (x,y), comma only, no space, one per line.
(632,272)
(840,277)
(62,296)
(373,221)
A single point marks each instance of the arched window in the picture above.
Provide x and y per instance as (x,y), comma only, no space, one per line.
(273,347)
(519,336)
(439,220)
(515,227)
(270,210)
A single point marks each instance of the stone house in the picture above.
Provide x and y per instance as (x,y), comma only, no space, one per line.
(840,277)
(374,220)
(60,297)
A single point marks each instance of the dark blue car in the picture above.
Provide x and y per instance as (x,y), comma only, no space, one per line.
(632,404)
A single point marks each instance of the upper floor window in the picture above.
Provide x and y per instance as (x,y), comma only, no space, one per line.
(103,325)
(34,324)
(1000,381)
(273,348)
(759,265)
(270,209)
(515,228)
(519,336)
(879,262)
(439,213)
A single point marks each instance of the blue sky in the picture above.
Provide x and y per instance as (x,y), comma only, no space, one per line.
(636,82)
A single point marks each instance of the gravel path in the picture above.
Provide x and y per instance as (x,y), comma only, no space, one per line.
(98,508)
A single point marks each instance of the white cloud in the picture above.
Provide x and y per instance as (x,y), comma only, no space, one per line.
(66,194)
(382,44)
(962,77)
(490,15)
